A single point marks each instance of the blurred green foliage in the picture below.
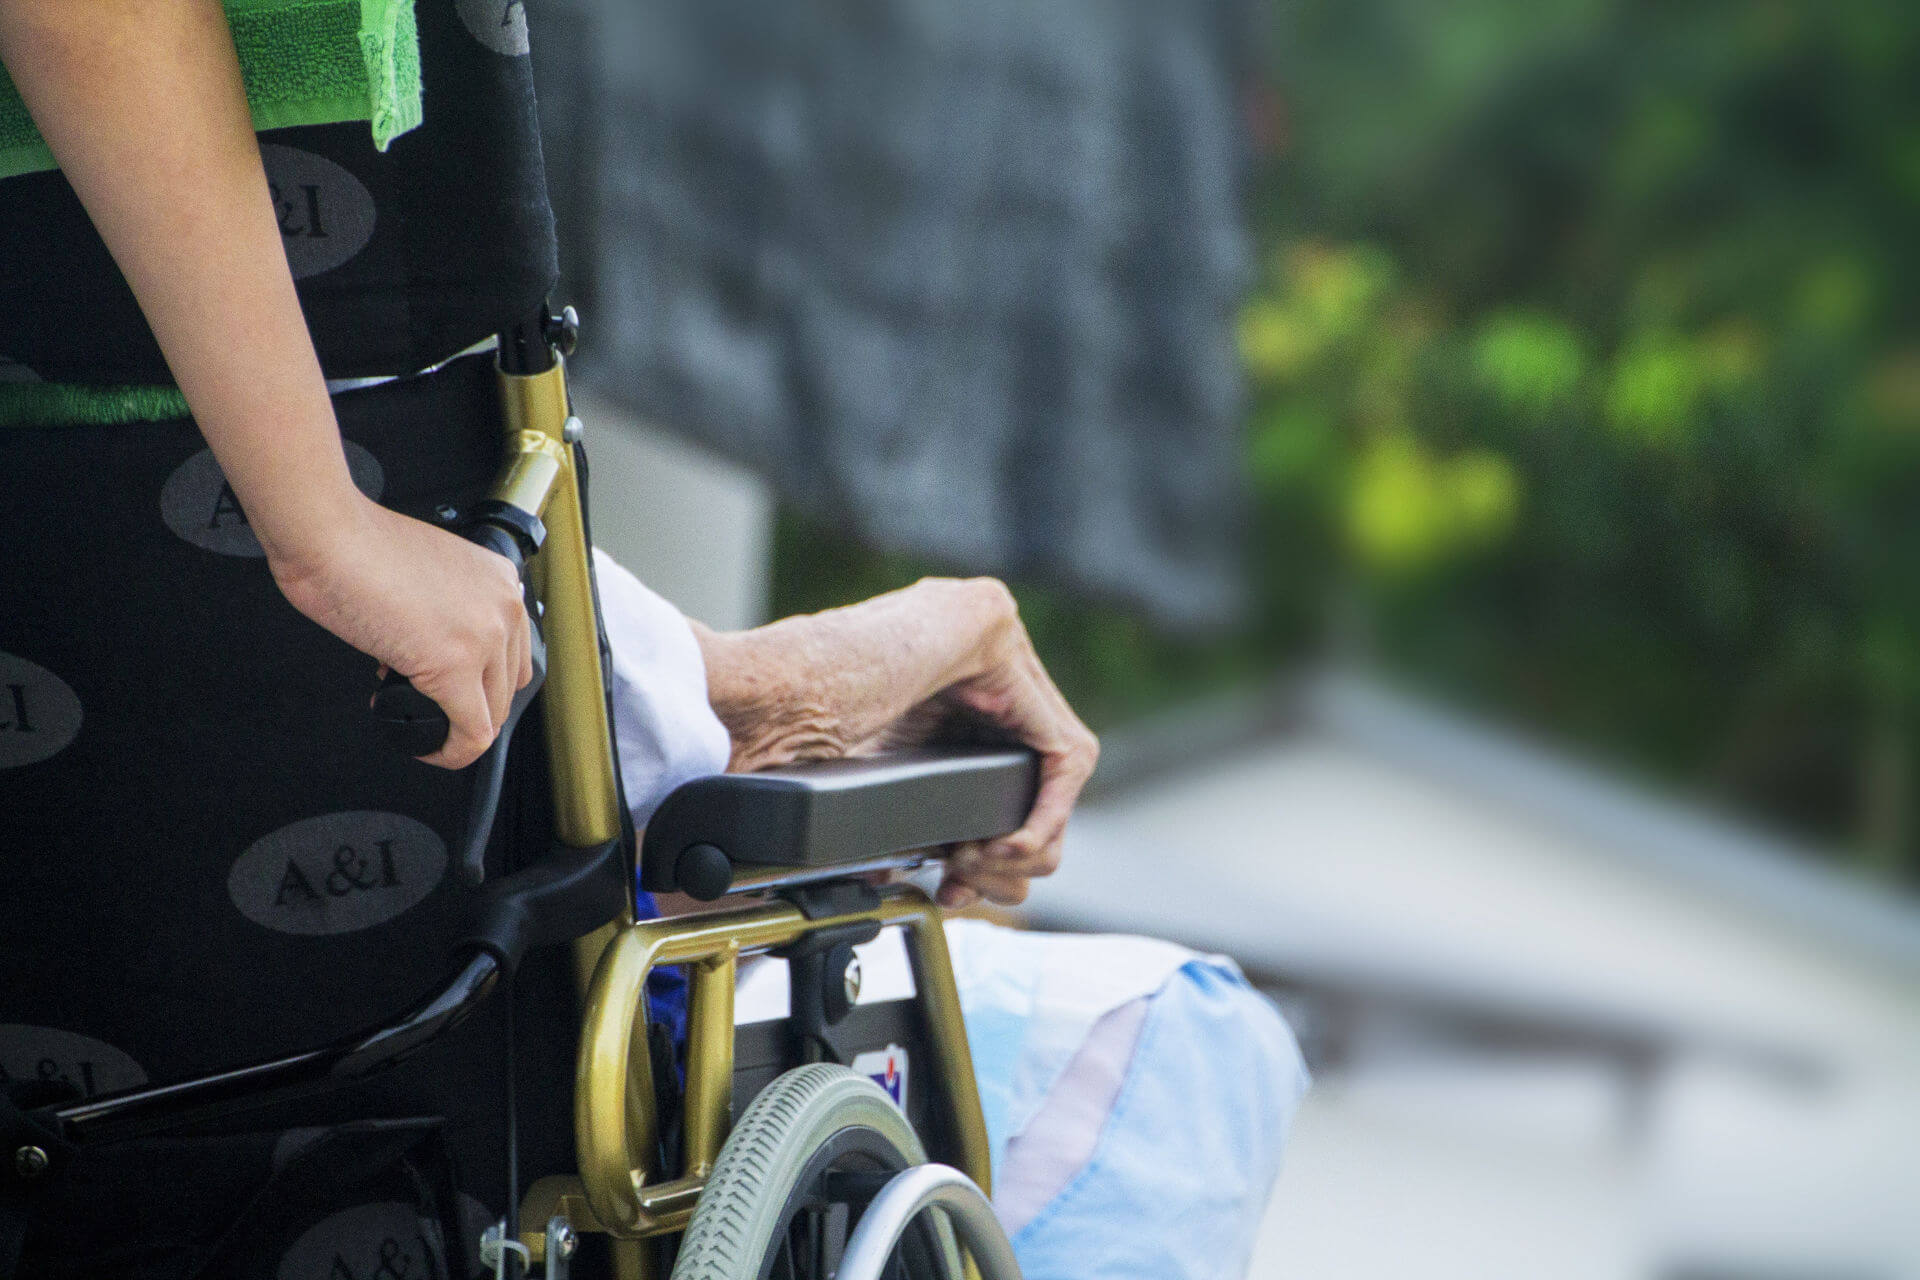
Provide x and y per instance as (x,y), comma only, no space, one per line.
(1584,370)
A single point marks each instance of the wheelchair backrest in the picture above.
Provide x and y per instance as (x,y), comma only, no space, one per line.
(211,857)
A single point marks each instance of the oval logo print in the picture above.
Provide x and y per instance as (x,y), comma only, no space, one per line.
(48,1055)
(198,504)
(501,25)
(326,216)
(337,873)
(39,714)
(384,1241)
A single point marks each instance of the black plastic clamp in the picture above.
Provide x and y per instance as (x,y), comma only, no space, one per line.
(565,895)
(824,981)
(528,531)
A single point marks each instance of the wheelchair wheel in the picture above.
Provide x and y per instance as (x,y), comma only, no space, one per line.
(793,1177)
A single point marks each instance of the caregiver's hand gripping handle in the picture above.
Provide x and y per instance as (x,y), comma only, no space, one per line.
(414,723)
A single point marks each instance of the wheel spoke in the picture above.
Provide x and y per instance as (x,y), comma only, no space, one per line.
(792,1271)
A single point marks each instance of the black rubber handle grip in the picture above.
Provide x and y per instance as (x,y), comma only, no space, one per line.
(415,724)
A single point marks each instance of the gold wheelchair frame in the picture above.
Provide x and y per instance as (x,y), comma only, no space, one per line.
(618,1190)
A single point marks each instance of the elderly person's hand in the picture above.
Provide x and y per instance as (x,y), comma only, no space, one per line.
(892,671)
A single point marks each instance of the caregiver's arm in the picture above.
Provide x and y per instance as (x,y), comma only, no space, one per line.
(142,104)
(827,684)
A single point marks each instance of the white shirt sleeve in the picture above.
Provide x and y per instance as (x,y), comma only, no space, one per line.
(666,732)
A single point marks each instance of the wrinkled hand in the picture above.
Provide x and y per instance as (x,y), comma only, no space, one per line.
(436,608)
(1012,695)
(898,670)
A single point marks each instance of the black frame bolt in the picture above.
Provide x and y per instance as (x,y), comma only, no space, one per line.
(30,1162)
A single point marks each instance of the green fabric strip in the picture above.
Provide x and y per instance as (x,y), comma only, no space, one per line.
(62,404)
(304,62)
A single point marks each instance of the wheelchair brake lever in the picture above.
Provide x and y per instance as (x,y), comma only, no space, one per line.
(414,723)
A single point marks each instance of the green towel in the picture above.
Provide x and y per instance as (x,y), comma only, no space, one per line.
(304,62)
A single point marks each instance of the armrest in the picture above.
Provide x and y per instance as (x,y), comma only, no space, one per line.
(833,814)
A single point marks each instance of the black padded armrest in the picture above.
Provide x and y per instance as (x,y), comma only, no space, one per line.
(833,814)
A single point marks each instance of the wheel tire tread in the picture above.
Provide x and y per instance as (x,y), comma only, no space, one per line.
(768,1149)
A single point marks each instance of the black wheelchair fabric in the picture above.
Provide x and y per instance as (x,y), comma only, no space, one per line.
(401,259)
(209,858)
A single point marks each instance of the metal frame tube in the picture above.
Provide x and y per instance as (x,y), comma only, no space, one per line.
(586,793)
(615,1120)
(579,737)
(532,469)
(709,1100)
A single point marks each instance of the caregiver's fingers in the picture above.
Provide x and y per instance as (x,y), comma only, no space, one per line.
(524,642)
(470,724)
(499,679)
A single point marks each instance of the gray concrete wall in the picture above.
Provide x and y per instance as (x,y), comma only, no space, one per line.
(695,528)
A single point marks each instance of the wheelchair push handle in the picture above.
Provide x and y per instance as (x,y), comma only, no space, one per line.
(409,720)
(415,724)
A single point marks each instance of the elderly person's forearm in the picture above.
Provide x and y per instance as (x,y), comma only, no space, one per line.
(818,686)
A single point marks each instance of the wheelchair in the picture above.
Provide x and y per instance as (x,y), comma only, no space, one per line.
(616,1149)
